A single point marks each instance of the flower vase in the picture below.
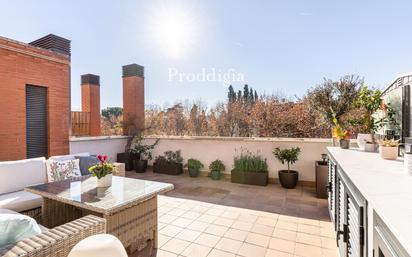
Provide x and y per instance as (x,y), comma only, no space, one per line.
(105,181)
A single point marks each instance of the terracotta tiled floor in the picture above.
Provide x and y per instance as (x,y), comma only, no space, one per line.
(209,218)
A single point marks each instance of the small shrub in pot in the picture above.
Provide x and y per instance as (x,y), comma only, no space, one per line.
(342,135)
(287,178)
(216,167)
(388,149)
(194,167)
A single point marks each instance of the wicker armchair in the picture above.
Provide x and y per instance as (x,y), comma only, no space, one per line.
(56,242)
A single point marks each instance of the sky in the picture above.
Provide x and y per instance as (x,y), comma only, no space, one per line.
(273,46)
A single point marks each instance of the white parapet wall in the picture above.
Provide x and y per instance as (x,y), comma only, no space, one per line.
(208,149)
(110,145)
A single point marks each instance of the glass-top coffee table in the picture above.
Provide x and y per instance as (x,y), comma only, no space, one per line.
(129,206)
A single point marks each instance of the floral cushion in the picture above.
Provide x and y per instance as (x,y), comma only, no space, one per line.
(62,169)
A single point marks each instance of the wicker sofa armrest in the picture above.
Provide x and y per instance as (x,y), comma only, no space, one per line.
(56,242)
(119,169)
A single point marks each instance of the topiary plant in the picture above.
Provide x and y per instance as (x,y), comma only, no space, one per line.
(289,156)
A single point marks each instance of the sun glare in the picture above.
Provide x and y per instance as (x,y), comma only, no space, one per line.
(174,31)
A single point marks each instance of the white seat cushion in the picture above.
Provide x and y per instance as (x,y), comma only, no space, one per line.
(20,201)
(15,227)
(16,175)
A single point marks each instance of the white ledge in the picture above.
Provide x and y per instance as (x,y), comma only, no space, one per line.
(244,139)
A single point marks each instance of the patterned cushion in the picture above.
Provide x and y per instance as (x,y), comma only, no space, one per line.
(85,162)
(59,170)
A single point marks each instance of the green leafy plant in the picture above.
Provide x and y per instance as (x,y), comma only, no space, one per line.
(333,99)
(174,156)
(217,165)
(389,143)
(370,101)
(247,161)
(194,164)
(143,150)
(101,169)
(289,156)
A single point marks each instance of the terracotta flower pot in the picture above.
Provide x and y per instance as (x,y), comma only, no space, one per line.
(388,152)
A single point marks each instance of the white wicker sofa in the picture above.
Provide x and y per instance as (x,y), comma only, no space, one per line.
(16,175)
(52,242)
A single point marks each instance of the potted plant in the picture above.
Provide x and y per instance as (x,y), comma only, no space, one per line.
(250,168)
(128,156)
(144,153)
(370,101)
(342,135)
(334,100)
(170,163)
(194,167)
(216,167)
(102,171)
(388,149)
(288,178)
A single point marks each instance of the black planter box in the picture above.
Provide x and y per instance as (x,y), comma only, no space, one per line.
(127,159)
(249,178)
(168,168)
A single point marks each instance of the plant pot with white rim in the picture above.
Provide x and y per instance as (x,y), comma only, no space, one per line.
(105,181)
(361,139)
(102,171)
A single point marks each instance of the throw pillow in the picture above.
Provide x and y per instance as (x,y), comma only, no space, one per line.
(15,227)
(60,170)
(85,162)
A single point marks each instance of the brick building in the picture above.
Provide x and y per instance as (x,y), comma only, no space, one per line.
(35,93)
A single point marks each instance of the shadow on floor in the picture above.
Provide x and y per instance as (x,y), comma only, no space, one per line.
(299,202)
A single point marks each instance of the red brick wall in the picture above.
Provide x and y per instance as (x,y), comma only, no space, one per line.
(91,103)
(21,64)
(133,100)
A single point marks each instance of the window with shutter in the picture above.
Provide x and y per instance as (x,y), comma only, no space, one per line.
(36,122)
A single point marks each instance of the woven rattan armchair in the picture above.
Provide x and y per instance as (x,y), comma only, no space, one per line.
(56,242)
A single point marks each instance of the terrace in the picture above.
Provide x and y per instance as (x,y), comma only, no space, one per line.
(353,203)
(201,217)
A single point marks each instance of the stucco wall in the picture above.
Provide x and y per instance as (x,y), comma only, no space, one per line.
(98,145)
(207,149)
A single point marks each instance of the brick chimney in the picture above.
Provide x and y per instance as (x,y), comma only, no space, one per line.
(91,101)
(133,98)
